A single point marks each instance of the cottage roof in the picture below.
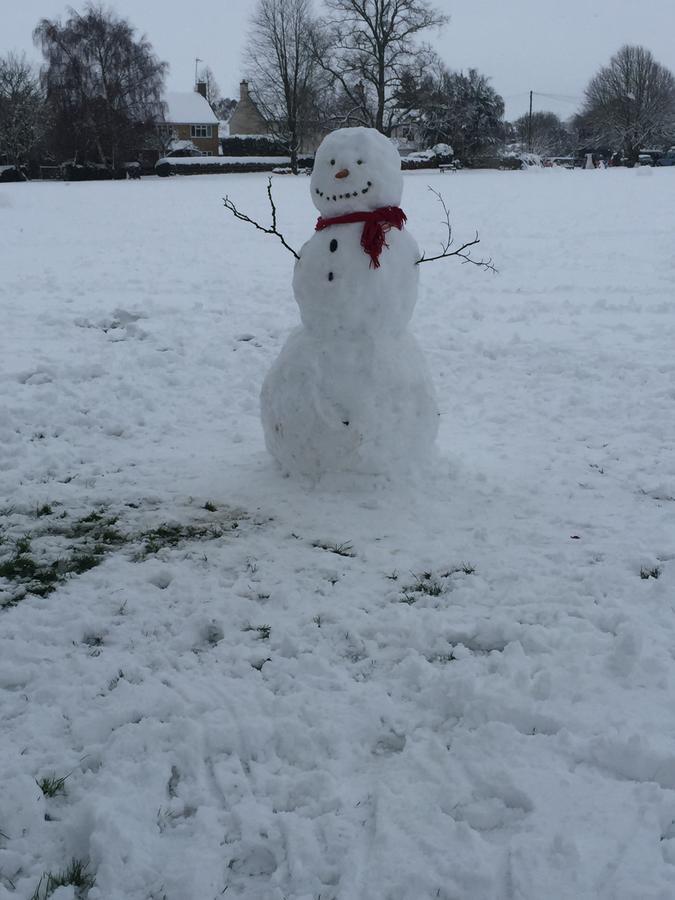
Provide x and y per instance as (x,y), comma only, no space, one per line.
(188,108)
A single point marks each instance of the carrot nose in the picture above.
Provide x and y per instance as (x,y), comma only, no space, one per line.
(342,173)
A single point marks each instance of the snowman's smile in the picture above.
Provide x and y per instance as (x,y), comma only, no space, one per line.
(346,195)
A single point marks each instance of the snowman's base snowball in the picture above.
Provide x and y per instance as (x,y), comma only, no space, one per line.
(349,405)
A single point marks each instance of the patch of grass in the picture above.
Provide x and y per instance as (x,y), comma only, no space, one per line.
(345,549)
(264,631)
(210,507)
(432,584)
(170,535)
(76,874)
(428,584)
(653,572)
(23,545)
(443,658)
(27,575)
(84,543)
(50,785)
(44,510)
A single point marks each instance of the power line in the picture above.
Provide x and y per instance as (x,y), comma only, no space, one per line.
(562,98)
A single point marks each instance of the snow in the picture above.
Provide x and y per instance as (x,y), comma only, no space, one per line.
(176,146)
(188,108)
(506,732)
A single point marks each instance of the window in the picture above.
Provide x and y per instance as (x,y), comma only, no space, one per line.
(201,131)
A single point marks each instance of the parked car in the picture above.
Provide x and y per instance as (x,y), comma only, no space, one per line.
(565,162)
(649,157)
(668,159)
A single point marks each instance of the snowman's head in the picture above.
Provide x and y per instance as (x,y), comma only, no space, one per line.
(356,169)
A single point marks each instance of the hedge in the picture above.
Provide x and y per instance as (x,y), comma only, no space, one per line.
(167,167)
(252,145)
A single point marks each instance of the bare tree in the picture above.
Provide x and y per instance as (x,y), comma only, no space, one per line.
(630,102)
(103,84)
(283,70)
(223,107)
(370,45)
(213,94)
(544,133)
(22,113)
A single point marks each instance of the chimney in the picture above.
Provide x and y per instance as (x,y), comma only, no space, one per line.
(243,90)
(201,88)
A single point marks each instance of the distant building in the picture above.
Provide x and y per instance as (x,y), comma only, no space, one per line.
(189,118)
(247,118)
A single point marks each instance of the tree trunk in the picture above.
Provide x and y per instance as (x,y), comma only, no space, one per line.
(379,118)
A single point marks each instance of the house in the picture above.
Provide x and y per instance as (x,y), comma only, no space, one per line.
(247,118)
(188,118)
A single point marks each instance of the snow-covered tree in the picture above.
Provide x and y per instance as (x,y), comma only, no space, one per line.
(631,102)
(461,109)
(22,113)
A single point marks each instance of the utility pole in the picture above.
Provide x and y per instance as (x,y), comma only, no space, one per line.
(529,127)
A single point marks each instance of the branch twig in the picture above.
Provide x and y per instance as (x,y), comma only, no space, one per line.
(486,264)
(244,218)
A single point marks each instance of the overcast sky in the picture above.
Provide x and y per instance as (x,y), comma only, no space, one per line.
(551,47)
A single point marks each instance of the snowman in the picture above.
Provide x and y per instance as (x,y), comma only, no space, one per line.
(350,390)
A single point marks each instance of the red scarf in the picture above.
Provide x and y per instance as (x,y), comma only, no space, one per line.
(377,224)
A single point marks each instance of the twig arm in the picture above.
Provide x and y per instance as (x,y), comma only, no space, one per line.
(244,218)
(463,252)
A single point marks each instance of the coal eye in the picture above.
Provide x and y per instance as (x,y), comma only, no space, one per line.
(358,162)
(332,162)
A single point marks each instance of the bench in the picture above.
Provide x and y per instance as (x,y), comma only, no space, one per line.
(447,167)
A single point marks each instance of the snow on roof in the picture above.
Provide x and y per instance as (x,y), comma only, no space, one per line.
(188,108)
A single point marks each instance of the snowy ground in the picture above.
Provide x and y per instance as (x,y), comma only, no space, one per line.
(456,688)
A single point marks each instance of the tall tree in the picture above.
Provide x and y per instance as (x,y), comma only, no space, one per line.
(22,114)
(630,102)
(283,71)
(103,85)
(370,45)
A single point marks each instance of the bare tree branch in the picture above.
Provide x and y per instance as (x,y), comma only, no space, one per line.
(464,251)
(368,42)
(244,218)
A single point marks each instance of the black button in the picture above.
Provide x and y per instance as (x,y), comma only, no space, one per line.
(330,276)
(333,246)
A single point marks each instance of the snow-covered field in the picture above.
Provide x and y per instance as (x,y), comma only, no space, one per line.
(461,687)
